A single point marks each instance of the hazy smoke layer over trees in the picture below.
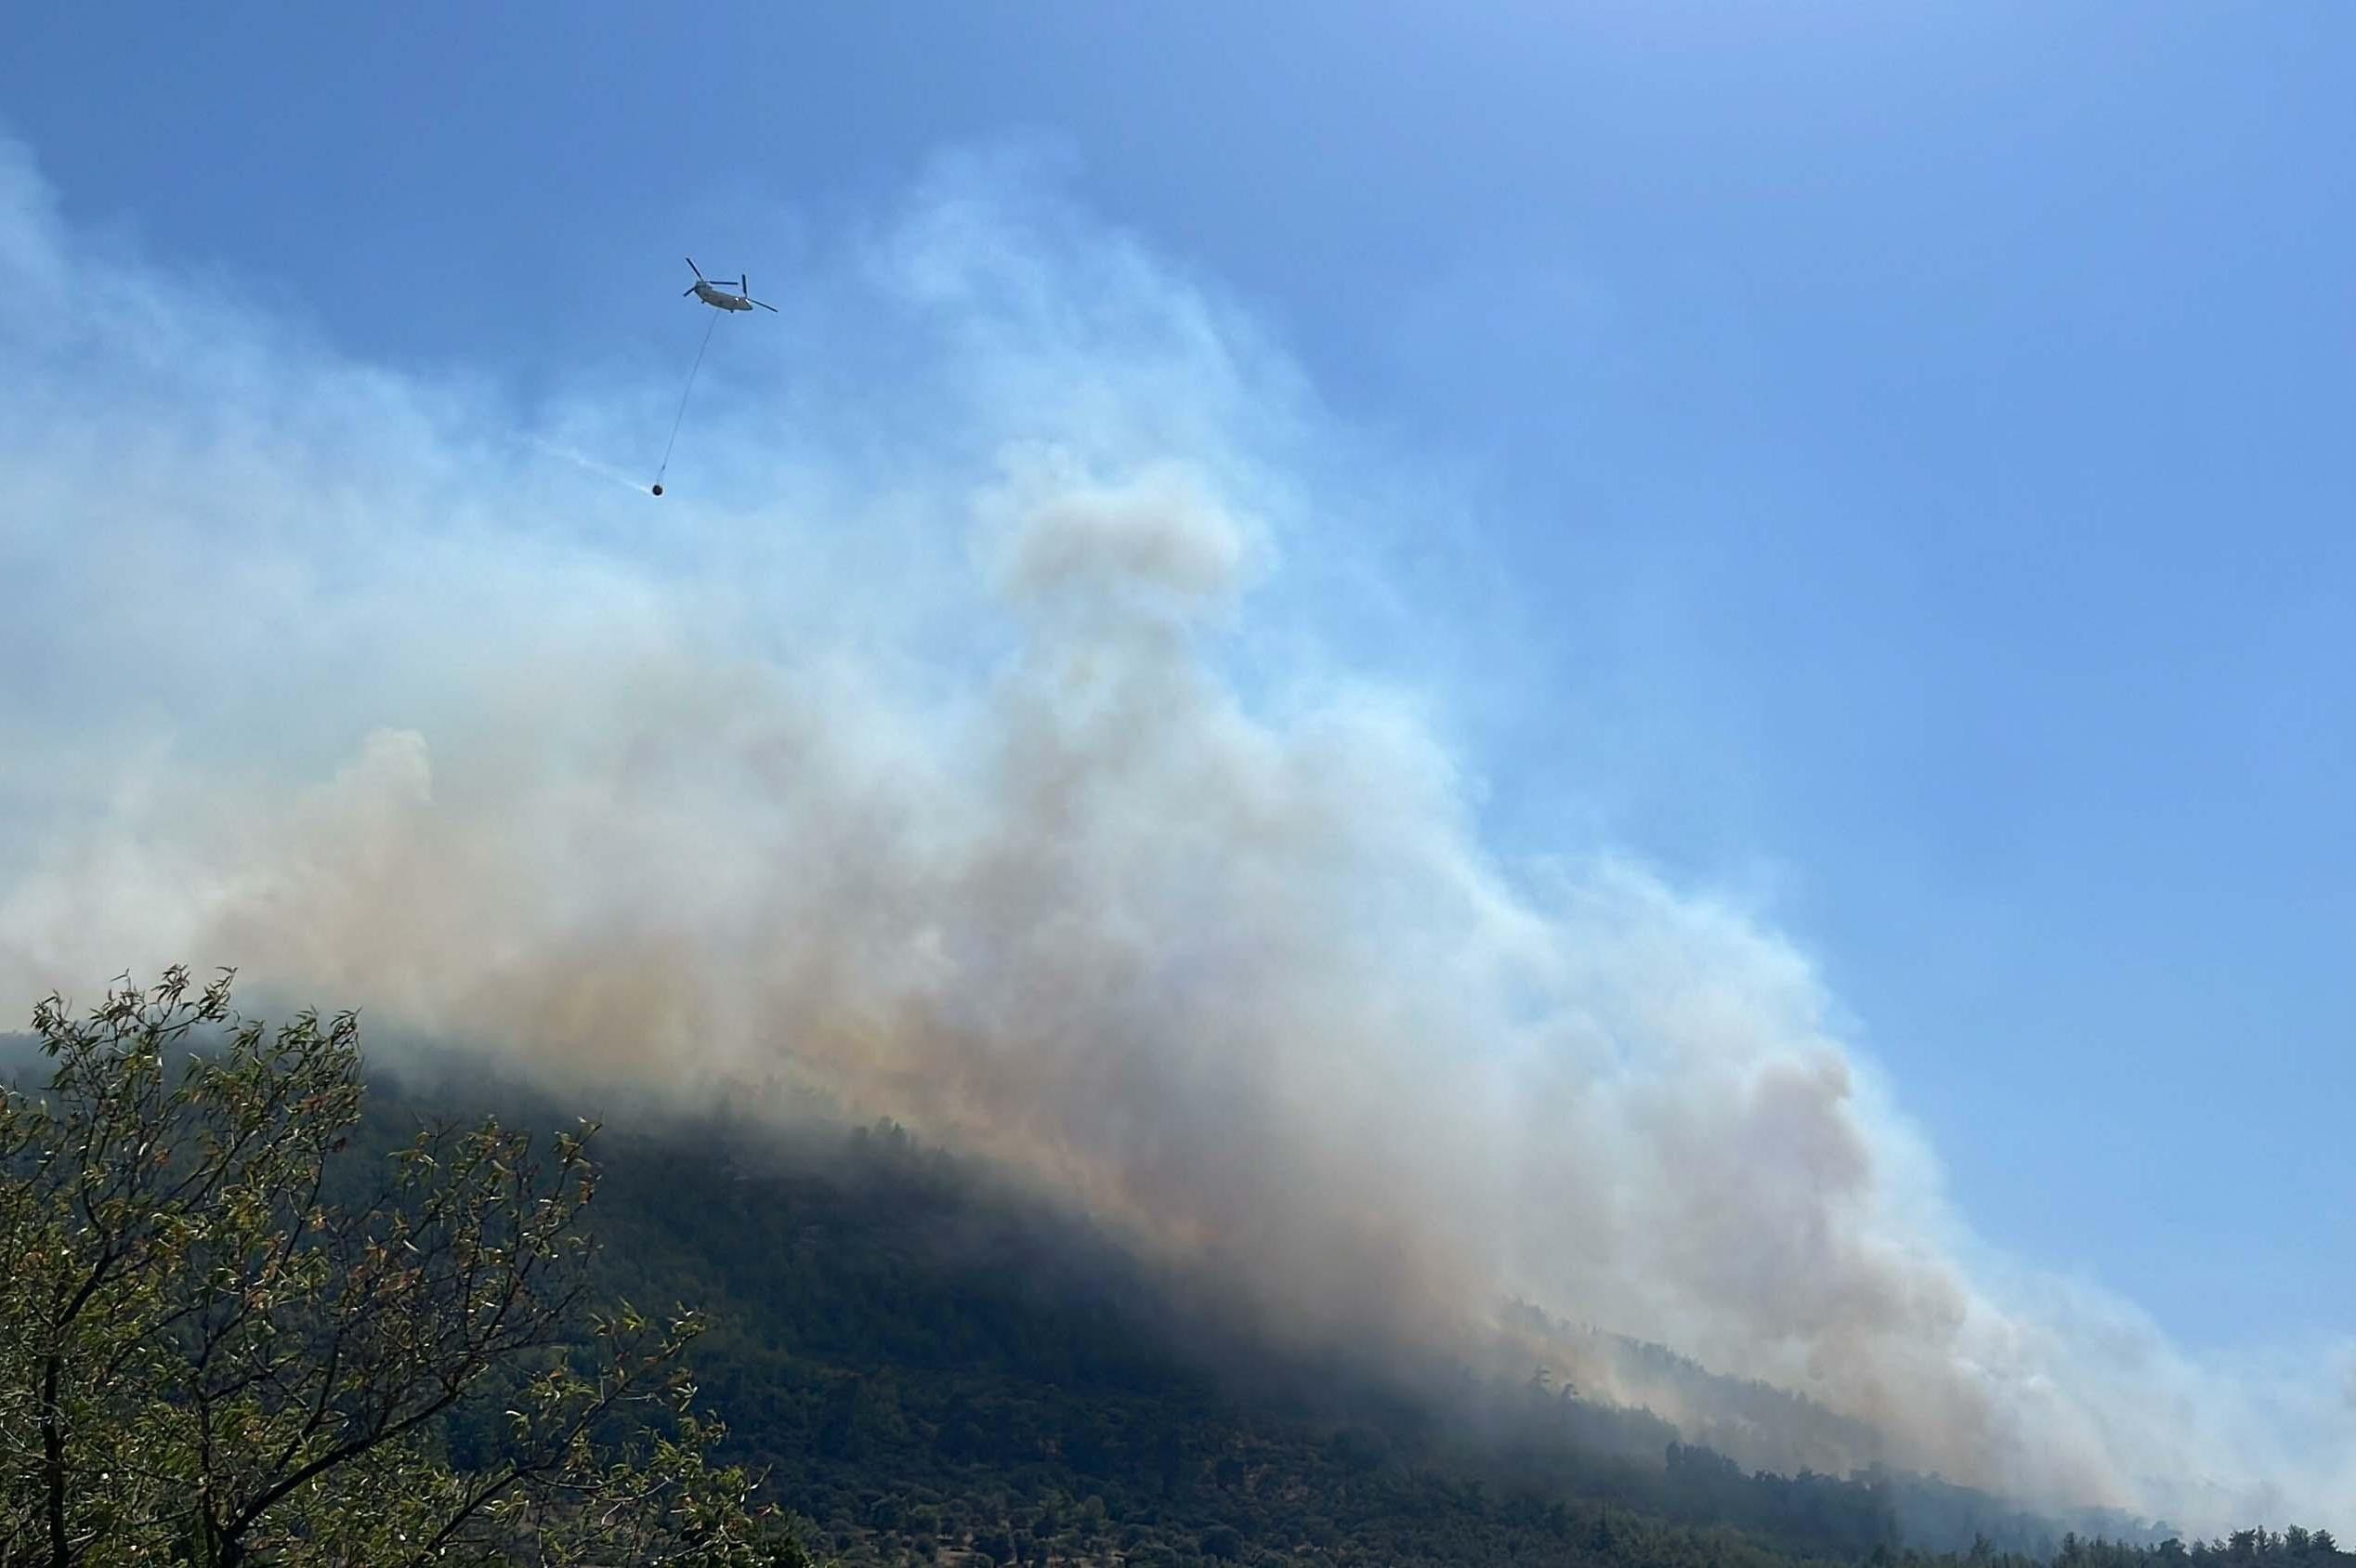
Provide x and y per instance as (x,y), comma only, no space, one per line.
(976,741)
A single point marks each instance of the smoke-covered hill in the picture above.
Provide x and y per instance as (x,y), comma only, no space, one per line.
(932,1363)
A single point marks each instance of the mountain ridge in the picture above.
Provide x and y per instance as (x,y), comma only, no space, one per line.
(885,1309)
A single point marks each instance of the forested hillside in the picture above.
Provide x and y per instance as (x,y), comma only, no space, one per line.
(934,1369)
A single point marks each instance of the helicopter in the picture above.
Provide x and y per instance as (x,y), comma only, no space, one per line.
(720,298)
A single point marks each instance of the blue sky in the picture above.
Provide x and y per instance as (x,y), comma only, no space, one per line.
(1907,446)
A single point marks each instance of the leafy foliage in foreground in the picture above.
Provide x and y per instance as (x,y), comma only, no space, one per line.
(227,1339)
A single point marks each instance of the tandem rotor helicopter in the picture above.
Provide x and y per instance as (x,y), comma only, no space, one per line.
(718,296)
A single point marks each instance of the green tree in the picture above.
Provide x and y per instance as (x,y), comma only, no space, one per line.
(227,1339)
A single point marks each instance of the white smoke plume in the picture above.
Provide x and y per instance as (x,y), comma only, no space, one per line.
(957,742)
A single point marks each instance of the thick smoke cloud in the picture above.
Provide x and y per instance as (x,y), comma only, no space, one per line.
(960,743)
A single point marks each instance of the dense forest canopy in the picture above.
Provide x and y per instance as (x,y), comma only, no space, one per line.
(924,1363)
(928,1357)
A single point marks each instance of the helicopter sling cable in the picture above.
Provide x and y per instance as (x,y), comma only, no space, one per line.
(683,403)
(721,299)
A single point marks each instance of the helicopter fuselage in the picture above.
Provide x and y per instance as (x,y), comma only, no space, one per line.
(721,299)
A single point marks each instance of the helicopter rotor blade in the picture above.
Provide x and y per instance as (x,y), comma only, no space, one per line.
(762,303)
(694,269)
(689,290)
